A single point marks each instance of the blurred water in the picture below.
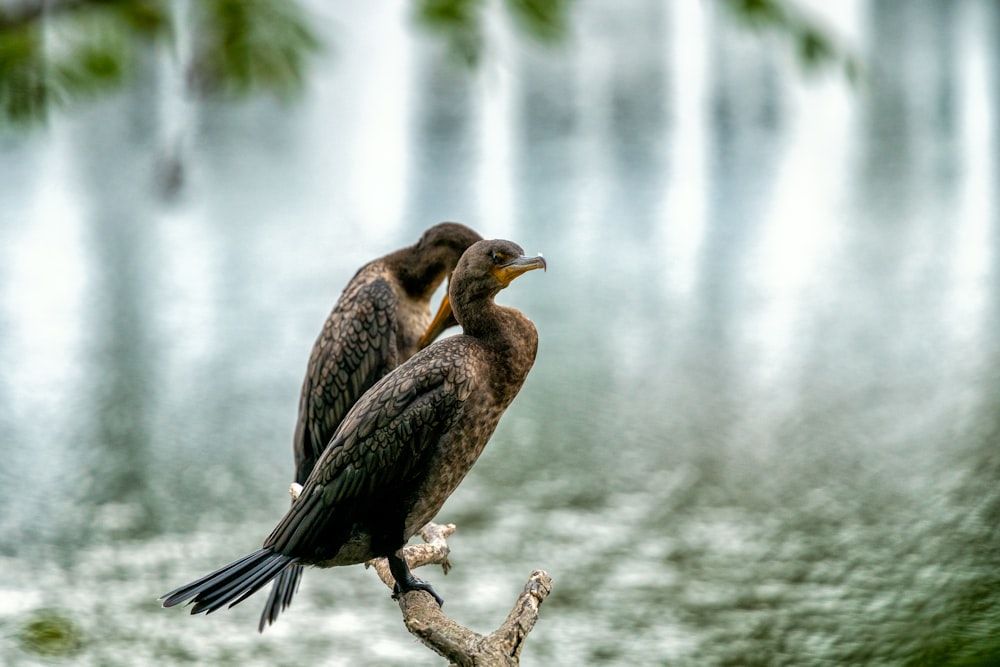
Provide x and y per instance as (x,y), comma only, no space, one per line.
(763,426)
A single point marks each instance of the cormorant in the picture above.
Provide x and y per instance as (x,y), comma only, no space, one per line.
(404,447)
(375,326)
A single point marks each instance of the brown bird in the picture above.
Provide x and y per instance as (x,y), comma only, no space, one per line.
(375,326)
(404,447)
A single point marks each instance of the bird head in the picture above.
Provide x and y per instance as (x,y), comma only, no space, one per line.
(484,269)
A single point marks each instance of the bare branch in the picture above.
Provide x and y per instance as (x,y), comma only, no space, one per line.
(462,646)
(522,618)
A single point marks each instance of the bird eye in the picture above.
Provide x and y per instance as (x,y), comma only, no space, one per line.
(499,257)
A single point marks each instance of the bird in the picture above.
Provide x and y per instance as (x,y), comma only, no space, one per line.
(404,447)
(380,320)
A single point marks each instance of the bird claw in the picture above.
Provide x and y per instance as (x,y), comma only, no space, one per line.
(416,585)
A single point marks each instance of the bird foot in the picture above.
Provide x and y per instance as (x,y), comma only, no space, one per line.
(406,582)
(416,585)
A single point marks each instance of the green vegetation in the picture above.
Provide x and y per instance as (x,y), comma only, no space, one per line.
(61,52)
(50,633)
(66,51)
(813,44)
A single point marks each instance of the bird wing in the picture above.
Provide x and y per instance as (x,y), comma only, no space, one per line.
(380,445)
(355,349)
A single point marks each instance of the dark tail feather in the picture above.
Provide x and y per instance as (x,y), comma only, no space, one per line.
(223,574)
(240,588)
(230,584)
(282,591)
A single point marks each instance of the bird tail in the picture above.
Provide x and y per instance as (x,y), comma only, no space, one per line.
(285,586)
(231,584)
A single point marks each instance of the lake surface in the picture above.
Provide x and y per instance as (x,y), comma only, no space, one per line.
(764,423)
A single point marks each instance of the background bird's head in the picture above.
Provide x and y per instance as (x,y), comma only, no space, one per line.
(431,259)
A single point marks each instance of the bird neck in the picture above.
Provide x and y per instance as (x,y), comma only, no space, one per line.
(507,333)
(482,319)
(420,274)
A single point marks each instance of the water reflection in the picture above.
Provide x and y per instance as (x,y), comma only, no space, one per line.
(763,422)
(121,369)
(444,151)
(546,141)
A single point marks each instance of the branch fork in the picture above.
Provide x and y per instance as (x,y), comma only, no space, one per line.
(427,622)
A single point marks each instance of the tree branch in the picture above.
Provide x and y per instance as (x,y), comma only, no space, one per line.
(462,646)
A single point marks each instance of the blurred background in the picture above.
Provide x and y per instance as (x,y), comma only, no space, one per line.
(764,423)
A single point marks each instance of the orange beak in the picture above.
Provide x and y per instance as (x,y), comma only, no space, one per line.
(443,320)
(506,273)
(512,269)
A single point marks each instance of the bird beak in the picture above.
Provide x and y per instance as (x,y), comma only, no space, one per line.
(507,272)
(443,320)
